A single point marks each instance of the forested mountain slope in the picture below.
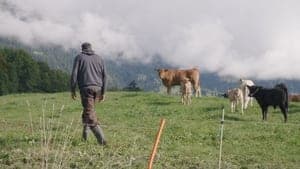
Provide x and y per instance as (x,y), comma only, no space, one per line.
(19,73)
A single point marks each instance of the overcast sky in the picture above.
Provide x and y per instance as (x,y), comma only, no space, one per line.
(240,38)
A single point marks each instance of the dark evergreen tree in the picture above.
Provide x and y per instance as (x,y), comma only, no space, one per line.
(45,81)
(3,74)
(20,73)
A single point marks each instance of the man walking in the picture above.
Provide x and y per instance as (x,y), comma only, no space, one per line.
(90,75)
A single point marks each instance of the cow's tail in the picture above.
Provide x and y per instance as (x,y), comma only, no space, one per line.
(285,90)
(286,99)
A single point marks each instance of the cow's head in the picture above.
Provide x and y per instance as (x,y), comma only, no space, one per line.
(161,73)
(253,90)
(185,80)
(225,95)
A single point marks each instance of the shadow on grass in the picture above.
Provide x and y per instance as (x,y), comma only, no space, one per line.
(133,94)
(294,109)
(158,103)
(233,118)
(227,117)
(212,108)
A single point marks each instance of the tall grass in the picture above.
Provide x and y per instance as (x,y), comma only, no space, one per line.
(44,131)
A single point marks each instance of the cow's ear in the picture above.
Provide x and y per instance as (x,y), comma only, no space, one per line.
(157,70)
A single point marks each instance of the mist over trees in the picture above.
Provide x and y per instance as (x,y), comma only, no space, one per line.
(19,73)
(121,72)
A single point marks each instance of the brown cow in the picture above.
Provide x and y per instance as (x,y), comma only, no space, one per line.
(172,77)
(294,97)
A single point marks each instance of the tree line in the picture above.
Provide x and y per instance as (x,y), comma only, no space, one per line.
(19,73)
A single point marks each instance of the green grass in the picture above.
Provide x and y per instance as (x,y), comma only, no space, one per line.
(44,131)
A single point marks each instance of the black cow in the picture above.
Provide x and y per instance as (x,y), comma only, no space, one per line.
(277,96)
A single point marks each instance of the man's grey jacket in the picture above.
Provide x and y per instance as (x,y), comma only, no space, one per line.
(88,70)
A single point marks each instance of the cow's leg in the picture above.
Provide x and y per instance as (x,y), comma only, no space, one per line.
(284,112)
(197,90)
(169,90)
(263,115)
(246,101)
(242,105)
(186,100)
(266,112)
(232,106)
(235,106)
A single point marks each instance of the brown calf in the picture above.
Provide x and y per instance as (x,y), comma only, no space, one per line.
(186,91)
(235,96)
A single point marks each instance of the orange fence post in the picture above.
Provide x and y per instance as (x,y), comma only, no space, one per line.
(150,164)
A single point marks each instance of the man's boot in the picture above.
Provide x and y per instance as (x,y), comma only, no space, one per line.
(99,134)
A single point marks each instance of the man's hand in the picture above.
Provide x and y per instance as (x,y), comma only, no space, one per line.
(101,98)
(73,95)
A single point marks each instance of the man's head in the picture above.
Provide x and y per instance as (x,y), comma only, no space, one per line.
(86,46)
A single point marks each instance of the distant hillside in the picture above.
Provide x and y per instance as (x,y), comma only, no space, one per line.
(122,72)
(19,73)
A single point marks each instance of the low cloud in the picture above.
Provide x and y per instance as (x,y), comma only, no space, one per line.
(37,28)
(255,39)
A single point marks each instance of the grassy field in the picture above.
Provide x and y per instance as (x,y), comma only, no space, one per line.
(44,131)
